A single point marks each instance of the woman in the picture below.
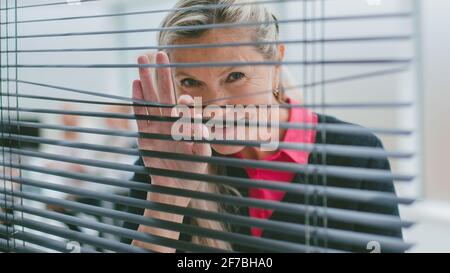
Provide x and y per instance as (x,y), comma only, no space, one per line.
(240,85)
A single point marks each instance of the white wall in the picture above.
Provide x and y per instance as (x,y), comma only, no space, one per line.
(436,50)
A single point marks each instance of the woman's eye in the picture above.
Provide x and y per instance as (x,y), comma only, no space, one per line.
(234,76)
(189,83)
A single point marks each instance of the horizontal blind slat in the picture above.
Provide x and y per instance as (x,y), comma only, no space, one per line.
(352,105)
(46,5)
(296,230)
(111,229)
(394,15)
(266,244)
(5,246)
(356,195)
(153,11)
(331,62)
(330,149)
(359,76)
(372,175)
(400,38)
(39,240)
(328,127)
(73,235)
(330,213)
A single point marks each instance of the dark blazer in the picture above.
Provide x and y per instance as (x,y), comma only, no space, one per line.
(367,139)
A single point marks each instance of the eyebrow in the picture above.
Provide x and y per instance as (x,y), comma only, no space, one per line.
(226,69)
(183,74)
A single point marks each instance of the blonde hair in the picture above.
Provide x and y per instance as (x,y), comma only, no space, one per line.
(197,12)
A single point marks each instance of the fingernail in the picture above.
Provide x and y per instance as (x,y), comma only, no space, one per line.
(142,59)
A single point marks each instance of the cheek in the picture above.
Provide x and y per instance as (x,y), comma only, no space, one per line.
(178,91)
(194,95)
(252,93)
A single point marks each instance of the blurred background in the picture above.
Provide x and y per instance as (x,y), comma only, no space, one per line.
(425,84)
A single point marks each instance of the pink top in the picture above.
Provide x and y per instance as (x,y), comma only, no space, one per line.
(296,115)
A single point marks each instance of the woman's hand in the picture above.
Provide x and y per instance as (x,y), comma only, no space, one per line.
(163,91)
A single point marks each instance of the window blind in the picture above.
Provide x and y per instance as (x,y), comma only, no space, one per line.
(69,139)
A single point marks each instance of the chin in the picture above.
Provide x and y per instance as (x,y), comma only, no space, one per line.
(226,149)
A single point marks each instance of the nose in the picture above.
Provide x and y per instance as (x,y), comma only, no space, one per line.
(215,102)
(216,96)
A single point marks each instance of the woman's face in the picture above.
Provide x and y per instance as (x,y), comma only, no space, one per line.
(227,85)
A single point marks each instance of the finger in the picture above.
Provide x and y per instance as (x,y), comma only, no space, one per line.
(200,131)
(148,90)
(185,114)
(185,100)
(164,82)
(139,110)
(182,100)
(151,57)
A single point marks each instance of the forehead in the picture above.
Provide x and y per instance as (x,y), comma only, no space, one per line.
(217,54)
